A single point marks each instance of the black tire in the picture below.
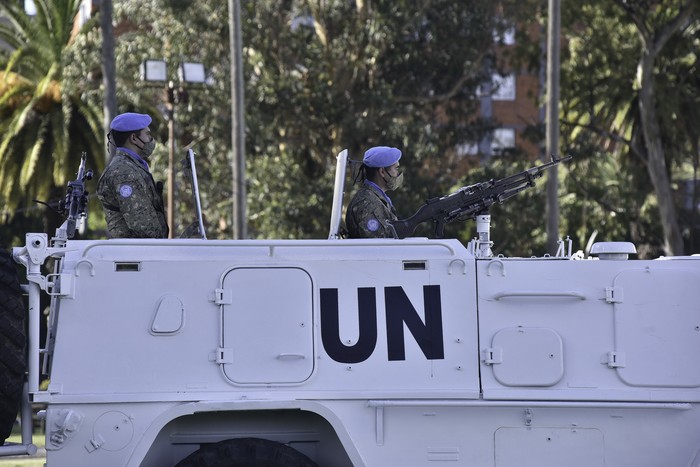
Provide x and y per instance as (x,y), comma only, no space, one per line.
(13,341)
(246,452)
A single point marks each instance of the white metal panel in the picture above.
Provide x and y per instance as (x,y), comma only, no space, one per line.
(113,310)
(116,311)
(565,297)
(268,329)
(387,273)
(630,329)
(657,327)
(549,447)
(529,356)
(338,191)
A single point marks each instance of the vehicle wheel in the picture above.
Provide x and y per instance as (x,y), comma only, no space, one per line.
(246,452)
(13,338)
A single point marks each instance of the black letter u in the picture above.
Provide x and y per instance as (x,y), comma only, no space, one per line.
(330,326)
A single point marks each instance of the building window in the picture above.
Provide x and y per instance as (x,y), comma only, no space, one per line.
(503,87)
(505,37)
(467,149)
(503,140)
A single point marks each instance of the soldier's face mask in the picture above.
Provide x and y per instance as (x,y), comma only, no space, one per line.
(148,147)
(394,182)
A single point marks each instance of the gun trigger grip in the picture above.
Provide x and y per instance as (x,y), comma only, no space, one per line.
(439,229)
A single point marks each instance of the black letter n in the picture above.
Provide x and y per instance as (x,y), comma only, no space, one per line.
(399,310)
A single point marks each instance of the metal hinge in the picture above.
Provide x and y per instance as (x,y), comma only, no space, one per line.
(222,297)
(60,285)
(614,295)
(492,356)
(95,443)
(615,360)
(55,285)
(224,355)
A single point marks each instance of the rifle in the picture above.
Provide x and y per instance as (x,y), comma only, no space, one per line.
(470,201)
(75,203)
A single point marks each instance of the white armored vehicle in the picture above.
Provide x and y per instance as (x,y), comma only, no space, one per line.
(338,353)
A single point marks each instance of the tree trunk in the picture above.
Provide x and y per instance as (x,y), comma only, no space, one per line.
(653,41)
(109,104)
(656,163)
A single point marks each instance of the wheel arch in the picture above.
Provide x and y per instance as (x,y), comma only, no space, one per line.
(310,427)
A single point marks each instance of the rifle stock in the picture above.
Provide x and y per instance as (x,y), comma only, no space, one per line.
(470,201)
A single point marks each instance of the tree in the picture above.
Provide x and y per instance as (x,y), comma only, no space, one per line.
(625,66)
(656,23)
(318,78)
(45,124)
(109,71)
(334,75)
(322,77)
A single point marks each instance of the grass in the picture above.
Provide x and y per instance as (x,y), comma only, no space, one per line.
(25,461)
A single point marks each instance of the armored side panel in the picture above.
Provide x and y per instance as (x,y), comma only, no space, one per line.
(146,326)
(371,353)
(602,349)
(590,330)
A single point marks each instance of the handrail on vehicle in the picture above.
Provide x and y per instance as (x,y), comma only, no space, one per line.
(538,293)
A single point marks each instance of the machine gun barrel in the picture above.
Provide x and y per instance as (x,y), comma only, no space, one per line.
(470,201)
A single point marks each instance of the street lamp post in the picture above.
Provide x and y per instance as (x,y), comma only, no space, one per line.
(552,121)
(237,121)
(188,72)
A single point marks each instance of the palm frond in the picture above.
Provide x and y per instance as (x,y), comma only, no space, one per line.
(38,130)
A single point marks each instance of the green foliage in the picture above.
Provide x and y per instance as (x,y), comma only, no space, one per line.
(323,77)
(45,124)
(601,121)
(170,31)
(46,127)
(318,78)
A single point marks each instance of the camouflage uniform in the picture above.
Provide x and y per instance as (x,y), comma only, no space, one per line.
(132,203)
(368,214)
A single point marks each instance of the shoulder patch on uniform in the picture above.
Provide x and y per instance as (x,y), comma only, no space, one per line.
(373,225)
(125,191)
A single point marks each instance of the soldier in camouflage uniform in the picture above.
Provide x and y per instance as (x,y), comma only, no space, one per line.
(371,209)
(132,202)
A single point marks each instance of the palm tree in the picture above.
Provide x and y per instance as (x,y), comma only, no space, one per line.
(45,124)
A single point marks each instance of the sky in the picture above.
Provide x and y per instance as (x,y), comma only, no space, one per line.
(29,7)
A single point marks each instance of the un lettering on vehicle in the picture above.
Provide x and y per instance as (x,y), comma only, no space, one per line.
(399,315)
